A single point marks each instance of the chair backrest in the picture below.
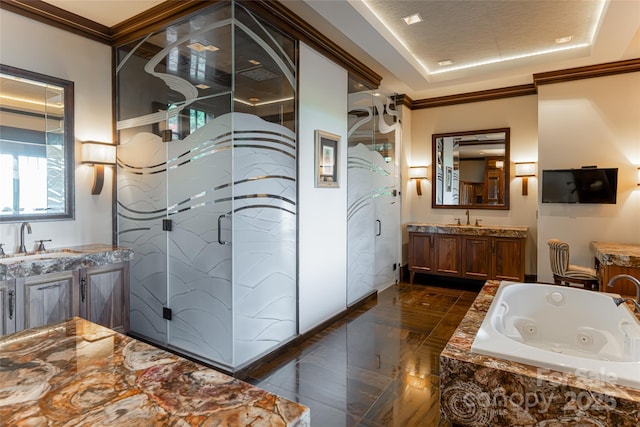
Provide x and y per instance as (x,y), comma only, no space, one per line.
(558,256)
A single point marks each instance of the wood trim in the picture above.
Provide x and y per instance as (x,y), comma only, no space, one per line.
(588,72)
(483,95)
(154,19)
(51,15)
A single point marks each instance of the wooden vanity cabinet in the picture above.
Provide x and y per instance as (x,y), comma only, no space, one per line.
(47,298)
(104,295)
(99,294)
(467,256)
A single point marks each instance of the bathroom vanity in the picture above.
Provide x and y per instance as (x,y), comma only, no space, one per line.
(612,259)
(469,252)
(91,281)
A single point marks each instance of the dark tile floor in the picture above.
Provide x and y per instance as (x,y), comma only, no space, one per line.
(378,366)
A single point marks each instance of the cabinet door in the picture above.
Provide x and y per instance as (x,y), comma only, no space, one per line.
(421,252)
(476,257)
(7,307)
(104,296)
(46,299)
(508,259)
(447,255)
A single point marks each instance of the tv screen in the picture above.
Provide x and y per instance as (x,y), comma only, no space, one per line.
(587,185)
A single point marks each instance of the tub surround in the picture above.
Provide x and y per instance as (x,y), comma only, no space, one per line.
(470,230)
(482,390)
(14,266)
(613,258)
(77,372)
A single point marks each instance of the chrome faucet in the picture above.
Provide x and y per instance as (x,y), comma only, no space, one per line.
(467,213)
(22,248)
(628,277)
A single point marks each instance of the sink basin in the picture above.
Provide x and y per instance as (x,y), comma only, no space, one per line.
(35,256)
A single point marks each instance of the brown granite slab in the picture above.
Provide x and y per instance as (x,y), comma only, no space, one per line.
(82,374)
(63,259)
(620,254)
(478,390)
(470,230)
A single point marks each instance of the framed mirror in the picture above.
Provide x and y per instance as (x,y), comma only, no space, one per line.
(36,146)
(471,169)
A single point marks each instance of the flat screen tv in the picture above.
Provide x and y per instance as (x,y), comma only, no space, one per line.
(586,185)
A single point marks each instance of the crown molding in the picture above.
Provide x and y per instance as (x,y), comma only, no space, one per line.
(482,95)
(51,15)
(558,76)
(588,72)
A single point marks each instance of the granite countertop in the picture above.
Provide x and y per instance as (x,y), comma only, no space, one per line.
(459,347)
(620,254)
(62,259)
(473,230)
(80,373)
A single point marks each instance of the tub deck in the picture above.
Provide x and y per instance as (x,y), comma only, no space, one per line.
(483,390)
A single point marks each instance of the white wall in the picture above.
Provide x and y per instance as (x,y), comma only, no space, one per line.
(519,114)
(590,122)
(322,223)
(33,46)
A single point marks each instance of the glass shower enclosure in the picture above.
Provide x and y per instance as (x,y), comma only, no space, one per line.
(206,184)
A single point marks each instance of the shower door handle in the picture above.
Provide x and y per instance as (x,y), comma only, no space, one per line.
(222,242)
(379,232)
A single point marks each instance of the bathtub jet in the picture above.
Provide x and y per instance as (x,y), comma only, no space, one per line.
(562,329)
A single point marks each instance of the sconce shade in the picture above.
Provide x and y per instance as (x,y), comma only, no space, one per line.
(98,153)
(418,172)
(525,169)
(638,177)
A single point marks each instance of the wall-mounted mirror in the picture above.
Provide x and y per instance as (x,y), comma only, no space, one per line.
(471,169)
(36,146)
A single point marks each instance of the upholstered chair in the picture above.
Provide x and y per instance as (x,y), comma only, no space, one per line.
(565,273)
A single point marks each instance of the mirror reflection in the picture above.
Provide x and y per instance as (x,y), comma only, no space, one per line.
(471,169)
(36,146)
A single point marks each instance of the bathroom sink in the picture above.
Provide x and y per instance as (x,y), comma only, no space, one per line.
(11,259)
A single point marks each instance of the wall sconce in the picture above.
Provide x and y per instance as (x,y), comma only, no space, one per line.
(524,170)
(98,154)
(638,176)
(418,173)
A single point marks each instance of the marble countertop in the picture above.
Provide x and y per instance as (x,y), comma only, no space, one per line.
(620,254)
(80,373)
(459,347)
(62,259)
(473,230)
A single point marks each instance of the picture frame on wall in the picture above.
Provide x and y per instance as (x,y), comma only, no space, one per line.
(327,161)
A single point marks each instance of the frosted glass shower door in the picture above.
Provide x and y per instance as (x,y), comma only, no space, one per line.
(199,245)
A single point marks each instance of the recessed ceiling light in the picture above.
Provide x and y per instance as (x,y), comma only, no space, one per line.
(445,62)
(199,47)
(412,19)
(565,39)
(202,86)
(254,62)
(254,99)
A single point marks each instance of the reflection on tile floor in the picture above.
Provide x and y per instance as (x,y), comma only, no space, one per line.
(379,365)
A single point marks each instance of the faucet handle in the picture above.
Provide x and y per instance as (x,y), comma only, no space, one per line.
(478,222)
(41,244)
(457,220)
(1,250)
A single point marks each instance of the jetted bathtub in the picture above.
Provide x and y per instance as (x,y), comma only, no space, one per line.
(562,329)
